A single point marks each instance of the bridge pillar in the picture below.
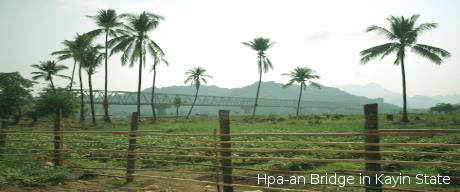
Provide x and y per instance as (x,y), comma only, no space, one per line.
(247,109)
(161,109)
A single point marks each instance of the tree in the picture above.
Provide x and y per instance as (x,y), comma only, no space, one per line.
(443,107)
(156,61)
(49,102)
(196,76)
(46,71)
(15,97)
(134,42)
(76,49)
(68,52)
(403,34)
(108,23)
(261,45)
(301,75)
(90,60)
(177,103)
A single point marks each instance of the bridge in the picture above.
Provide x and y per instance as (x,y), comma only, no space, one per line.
(163,101)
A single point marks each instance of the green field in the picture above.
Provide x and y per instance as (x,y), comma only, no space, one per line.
(102,150)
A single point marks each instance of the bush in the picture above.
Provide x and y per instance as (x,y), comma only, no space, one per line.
(48,102)
(445,107)
(34,175)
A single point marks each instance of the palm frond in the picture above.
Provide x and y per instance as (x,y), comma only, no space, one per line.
(94,33)
(382,31)
(376,51)
(427,53)
(317,85)
(435,50)
(290,83)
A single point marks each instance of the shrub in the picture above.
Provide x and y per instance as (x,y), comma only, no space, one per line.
(34,175)
(48,102)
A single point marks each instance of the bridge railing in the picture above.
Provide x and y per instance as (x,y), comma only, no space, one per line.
(130,98)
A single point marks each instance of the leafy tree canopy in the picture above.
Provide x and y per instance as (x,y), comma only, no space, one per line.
(48,102)
(445,107)
(15,97)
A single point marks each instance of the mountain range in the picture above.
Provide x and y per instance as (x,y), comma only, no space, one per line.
(273,90)
(374,90)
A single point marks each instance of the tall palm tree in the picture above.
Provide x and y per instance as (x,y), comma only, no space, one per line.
(177,102)
(109,24)
(67,53)
(156,61)
(90,60)
(302,76)
(403,34)
(260,45)
(75,49)
(196,76)
(47,70)
(134,42)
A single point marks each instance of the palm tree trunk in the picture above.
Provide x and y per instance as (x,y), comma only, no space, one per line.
(82,106)
(404,117)
(177,112)
(139,81)
(298,102)
(258,87)
(52,85)
(73,72)
(193,104)
(106,101)
(91,98)
(152,100)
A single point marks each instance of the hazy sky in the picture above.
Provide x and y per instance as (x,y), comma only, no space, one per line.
(326,36)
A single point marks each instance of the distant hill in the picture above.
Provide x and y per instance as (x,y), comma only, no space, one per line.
(374,90)
(273,90)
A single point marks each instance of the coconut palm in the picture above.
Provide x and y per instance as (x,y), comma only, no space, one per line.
(156,61)
(67,53)
(261,45)
(90,60)
(75,49)
(135,43)
(196,76)
(403,34)
(109,23)
(177,102)
(302,76)
(47,70)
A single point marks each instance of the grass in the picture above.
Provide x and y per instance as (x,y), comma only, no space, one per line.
(86,149)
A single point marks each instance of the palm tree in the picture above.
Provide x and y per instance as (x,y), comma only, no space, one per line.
(108,23)
(301,75)
(156,61)
(67,53)
(403,33)
(135,43)
(177,102)
(196,76)
(46,71)
(75,49)
(90,60)
(260,45)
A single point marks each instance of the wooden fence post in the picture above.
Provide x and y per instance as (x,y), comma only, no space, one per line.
(2,137)
(132,147)
(58,139)
(371,137)
(225,153)
(216,163)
